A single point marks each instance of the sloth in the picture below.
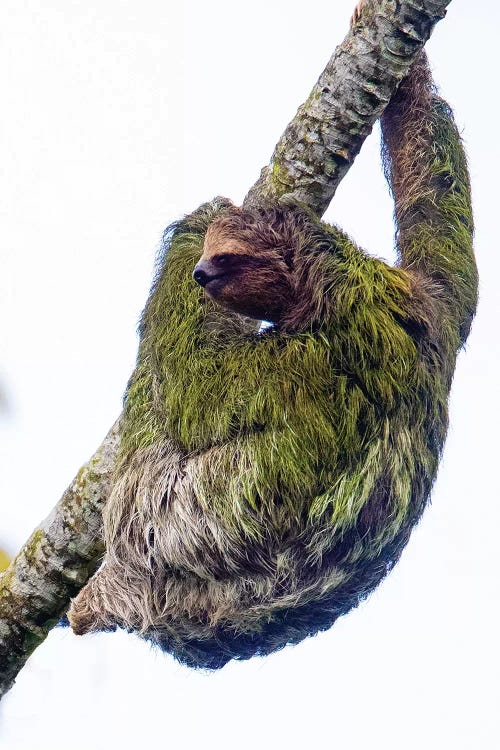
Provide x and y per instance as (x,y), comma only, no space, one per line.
(268,480)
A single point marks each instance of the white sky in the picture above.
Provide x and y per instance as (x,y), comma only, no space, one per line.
(117,117)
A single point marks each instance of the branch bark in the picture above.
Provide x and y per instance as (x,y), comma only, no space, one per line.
(314,153)
(56,561)
(325,136)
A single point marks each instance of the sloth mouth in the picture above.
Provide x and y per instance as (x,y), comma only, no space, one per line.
(215,278)
(215,283)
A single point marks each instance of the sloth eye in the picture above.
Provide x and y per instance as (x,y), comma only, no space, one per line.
(221,260)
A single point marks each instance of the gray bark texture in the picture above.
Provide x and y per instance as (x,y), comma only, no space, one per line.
(314,153)
(56,561)
(320,144)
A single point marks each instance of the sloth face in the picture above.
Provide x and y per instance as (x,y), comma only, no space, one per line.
(243,276)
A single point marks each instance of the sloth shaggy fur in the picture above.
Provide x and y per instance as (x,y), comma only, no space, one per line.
(268,481)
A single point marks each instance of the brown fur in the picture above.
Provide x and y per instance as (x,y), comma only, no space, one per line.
(410,180)
(270,276)
(268,483)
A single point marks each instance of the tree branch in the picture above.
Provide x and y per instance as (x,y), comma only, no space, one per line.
(325,136)
(313,155)
(56,561)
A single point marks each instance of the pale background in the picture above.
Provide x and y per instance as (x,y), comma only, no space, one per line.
(117,117)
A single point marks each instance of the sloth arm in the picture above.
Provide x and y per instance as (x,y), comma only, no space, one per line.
(427,169)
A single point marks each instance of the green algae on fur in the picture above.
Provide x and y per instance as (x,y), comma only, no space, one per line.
(268,481)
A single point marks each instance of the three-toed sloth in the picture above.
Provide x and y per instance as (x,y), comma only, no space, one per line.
(268,480)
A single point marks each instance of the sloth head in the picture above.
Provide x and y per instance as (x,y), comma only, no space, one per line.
(253,260)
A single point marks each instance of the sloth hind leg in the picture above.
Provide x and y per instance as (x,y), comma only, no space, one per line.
(91,610)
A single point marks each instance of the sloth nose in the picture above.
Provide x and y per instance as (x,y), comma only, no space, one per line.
(200,276)
(204,272)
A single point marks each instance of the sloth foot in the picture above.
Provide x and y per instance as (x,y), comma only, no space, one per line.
(85,616)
